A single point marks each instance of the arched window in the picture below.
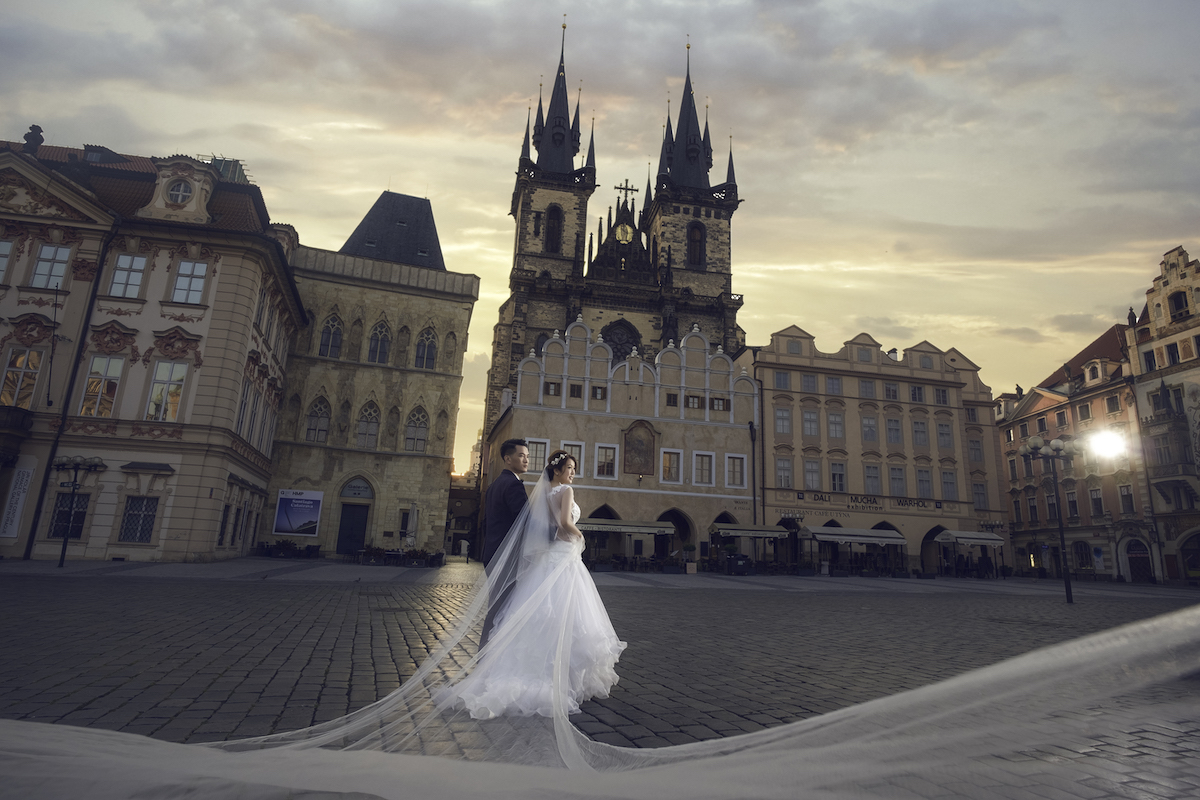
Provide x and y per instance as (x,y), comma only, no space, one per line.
(1093,373)
(381,342)
(331,338)
(554,226)
(318,421)
(427,350)
(541,342)
(416,431)
(368,426)
(696,245)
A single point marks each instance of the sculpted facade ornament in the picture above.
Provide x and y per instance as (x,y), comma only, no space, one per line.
(29,330)
(22,197)
(175,344)
(84,270)
(112,338)
(156,431)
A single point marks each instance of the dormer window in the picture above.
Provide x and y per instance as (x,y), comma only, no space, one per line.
(369,242)
(180,192)
(1093,373)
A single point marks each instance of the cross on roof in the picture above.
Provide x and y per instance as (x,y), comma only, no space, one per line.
(627,187)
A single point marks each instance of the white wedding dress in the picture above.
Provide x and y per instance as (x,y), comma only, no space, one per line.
(553,607)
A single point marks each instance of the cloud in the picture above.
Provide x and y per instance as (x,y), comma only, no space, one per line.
(1078,323)
(1022,334)
(886,327)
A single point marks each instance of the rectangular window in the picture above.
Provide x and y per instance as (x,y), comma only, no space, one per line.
(1012,469)
(166,391)
(1126,499)
(1016,509)
(1112,404)
(1097,502)
(671,461)
(1072,505)
(833,385)
(672,400)
(866,389)
(735,472)
(20,376)
(1172,354)
(1028,461)
(718,404)
(258,312)
(1041,424)
(5,254)
(783,421)
(808,383)
(702,469)
(864,355)
(606,461)
(896,482)
(894,433)
(251,422)
(949,485)
(783,473)
(945,435)
(1060,418)
(837,477)
(694,401)
(1162,448)
(870,429)
(552,389)
(1033,509)
(975,450)
(1085,410)
(793,347)
(599,392)
(916,394)
(812,475)
(979,495)
(68,518)
(871,479)
(783,380)
(51,266)
(812,423)
(100,388)
(576,391)
(924,482)
(1008,435)
(972,415)
(1051,507)
(1148,358)
(837,429)
(537,454)
(137,524)
(244,406)
(891,391)
(920,433)
(189,282)
(576,451)
(1024,430)
(127,276)
(941,396)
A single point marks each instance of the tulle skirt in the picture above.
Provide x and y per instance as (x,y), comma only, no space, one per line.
(552,642)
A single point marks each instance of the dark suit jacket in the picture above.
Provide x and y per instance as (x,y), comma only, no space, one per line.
(505,499)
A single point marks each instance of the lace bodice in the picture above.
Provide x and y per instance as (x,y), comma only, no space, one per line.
(554,501)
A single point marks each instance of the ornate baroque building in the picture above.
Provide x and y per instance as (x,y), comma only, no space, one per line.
(648,276)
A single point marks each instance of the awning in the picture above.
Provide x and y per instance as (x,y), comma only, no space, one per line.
(625,526)
(757,531)
(855,535)
(969,538)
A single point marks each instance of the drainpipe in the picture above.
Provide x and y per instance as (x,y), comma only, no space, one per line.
(74,373)
(753,478)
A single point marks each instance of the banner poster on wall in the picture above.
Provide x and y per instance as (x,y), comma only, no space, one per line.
(18,491)
(298,513)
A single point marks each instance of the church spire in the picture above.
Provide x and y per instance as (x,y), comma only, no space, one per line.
(691,156)
(729,178)
(525,144)
(591,156)
(539,125)
(559,143)
(668,144)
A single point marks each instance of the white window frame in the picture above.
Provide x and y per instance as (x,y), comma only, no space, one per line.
(812,469)
(712,464)
(45,278)
(545,443)
(567,445)
(616,462)
(662,452)
(789,468)
(128,264)
(5,257)
(154,381)
(186,282)
(730,458)
(104,379)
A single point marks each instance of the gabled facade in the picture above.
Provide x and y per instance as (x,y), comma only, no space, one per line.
(1106,509)
(648,276)
(133,297)
(1164,371)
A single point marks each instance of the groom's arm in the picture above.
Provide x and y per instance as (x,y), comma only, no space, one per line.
(514,496)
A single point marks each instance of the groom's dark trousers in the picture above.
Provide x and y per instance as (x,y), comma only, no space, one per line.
(505,499)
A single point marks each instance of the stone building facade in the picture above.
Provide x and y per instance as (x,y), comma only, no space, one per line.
(645,278)
(140,300)
(373,385)
(1108,524)
(1164,370)
(664,446)
(898,452)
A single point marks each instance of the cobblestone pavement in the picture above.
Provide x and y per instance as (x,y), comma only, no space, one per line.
(191,653)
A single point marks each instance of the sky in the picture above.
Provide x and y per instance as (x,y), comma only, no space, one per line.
(997,176)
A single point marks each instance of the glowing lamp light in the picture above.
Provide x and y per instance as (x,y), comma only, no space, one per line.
(1107,444)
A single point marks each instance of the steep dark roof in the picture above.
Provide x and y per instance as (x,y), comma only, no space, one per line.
(1107,345)
(398,228)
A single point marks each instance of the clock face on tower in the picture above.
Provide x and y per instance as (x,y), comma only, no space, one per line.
(624,233)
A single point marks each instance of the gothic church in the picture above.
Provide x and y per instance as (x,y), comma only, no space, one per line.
(648,276)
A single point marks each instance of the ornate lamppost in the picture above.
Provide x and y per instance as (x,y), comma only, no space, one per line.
(74,465)
(1052,452)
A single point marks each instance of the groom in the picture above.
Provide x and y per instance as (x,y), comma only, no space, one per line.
(505,500)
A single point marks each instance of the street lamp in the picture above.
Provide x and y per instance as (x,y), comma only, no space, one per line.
(1052,452)
(73,464)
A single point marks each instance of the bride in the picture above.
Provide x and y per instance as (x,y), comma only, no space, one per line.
(553,620)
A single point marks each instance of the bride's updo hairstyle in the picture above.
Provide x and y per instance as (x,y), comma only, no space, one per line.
(557,462)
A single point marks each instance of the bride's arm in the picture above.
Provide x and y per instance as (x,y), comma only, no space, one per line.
(566,527)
